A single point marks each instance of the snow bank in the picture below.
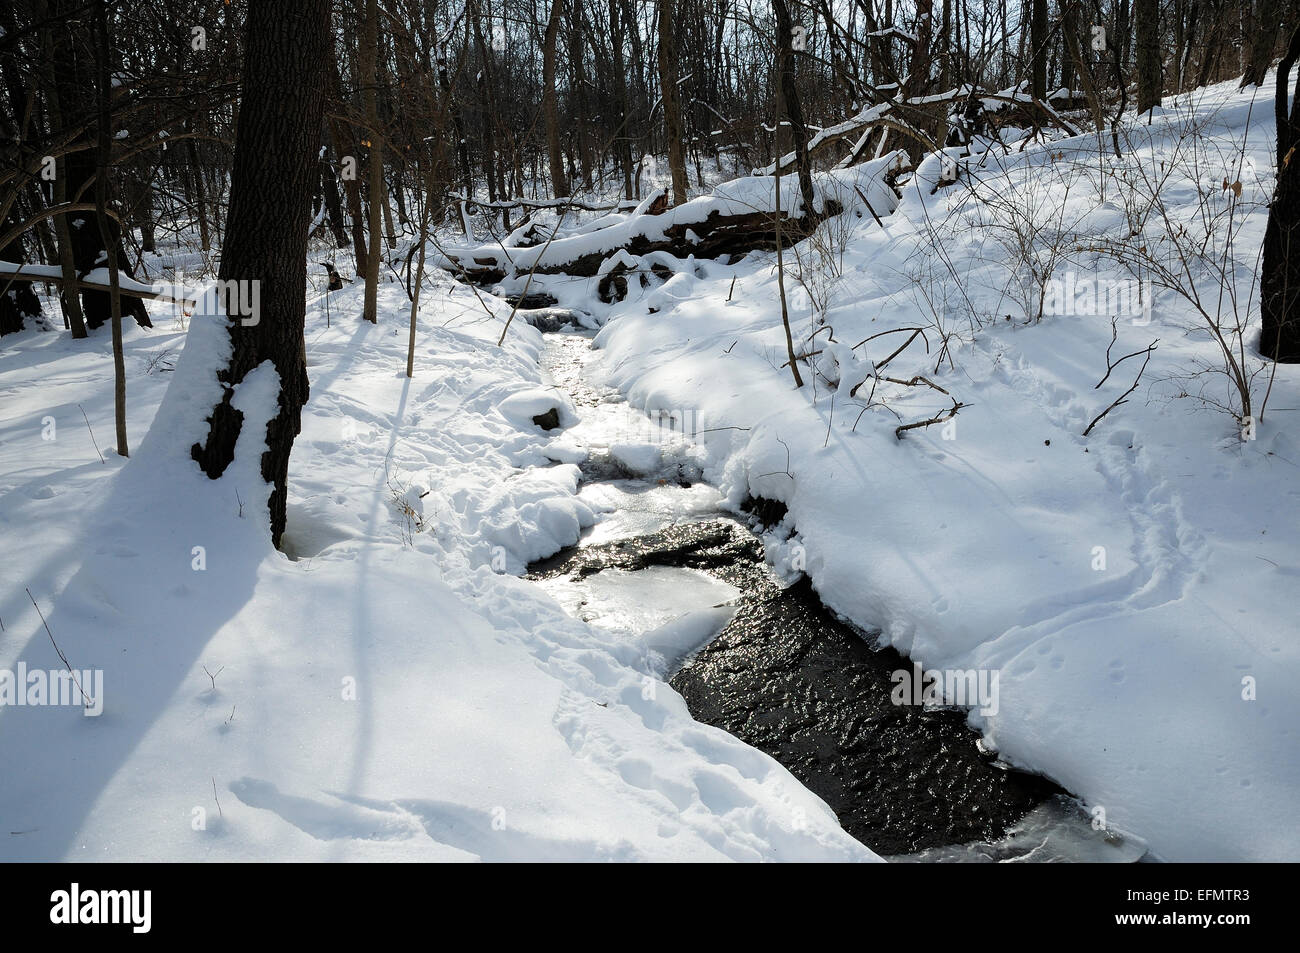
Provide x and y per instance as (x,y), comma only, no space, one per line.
(391,692)
(1131,587)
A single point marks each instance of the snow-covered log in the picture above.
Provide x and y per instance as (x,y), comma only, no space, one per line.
(737,218)
(893,114)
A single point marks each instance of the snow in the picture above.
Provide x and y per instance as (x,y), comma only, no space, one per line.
(520,408)
(738,197)
(669,611)
(976,546)
(388,690)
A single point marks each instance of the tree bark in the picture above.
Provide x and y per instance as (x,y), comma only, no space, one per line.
(1038,49)
(793,109)
(102,54)
(369,77)
(1265,22)
(1149,80)
(673,129)
(1280,273)
(550,108)
(287,53)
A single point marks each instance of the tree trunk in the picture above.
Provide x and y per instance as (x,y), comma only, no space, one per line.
(110,240)
(1038,49)
(673,129)
(790,96)
(550,108)
(369,77)
(287,52)
(333,204)
(622,138)
(351,190)
(17,300)
(1264,26)
(1149,80)
(75,85)
(1280,274)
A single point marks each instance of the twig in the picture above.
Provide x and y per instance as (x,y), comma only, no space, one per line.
(1122,398)
(63,658)
(92,433)
(213,677)
(937,419)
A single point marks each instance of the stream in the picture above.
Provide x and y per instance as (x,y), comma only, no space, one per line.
(668,566)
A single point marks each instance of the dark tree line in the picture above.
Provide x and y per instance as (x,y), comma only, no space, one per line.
(500,99)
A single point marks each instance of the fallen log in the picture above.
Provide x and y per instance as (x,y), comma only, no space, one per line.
(472,204)
(990,108)
(10,271)
(739,217)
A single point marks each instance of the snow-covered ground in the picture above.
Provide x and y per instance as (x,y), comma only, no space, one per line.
(387,688)
(385,694)
(1133,588)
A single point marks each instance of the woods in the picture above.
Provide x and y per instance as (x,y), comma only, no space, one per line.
(552,429)
(130,126)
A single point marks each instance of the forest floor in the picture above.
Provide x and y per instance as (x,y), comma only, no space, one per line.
(390,687)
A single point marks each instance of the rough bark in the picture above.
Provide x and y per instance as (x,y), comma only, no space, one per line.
(672,106)
(1038,49)
(550,108)
(1264,25)
(790,97)
(1280,272)
(1149,79)
(109,239)
(75,86)
(368,76)
(287,52)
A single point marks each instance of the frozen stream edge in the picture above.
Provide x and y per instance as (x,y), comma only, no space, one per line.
(641,478)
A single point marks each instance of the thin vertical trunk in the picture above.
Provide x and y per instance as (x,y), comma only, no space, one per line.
(673,129)
(793,110)
(1265,20)
(369,77)
(352,192)
(780,285)
(102,55)
(1038,49)
(1280,272)
(1149,79)
(550,106)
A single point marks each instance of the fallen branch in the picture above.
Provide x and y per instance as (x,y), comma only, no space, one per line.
(51,273)
(1122,398)
(937,419)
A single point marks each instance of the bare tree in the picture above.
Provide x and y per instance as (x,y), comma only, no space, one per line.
(1149,79)
(1280,274)
(550,108)
(673,128)
(286,55)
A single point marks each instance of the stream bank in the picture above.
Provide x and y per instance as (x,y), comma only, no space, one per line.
(772,666)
